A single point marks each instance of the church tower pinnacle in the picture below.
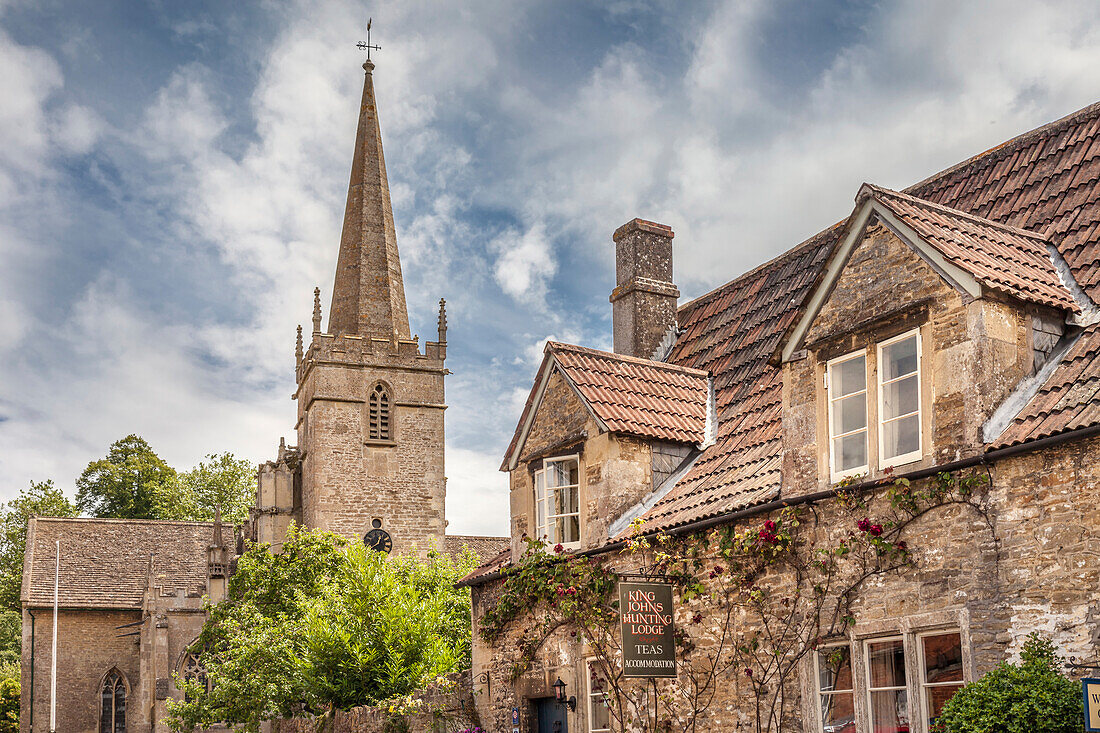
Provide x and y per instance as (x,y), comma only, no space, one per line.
(368,296)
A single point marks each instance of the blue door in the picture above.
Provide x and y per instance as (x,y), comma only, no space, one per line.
(551,716)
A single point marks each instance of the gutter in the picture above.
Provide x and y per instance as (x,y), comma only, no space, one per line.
(770,506)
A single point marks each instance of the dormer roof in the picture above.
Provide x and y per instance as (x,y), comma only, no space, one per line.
(625,394)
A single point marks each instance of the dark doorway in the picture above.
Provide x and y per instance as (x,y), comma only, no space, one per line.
(550,715)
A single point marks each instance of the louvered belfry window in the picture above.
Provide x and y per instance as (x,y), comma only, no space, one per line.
(381,414)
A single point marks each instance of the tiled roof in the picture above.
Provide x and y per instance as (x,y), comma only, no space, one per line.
(1067,400)
(482,546)
(637,396)
(732,332)
(499,562)
(105,562)
(1044,181)
(998,256)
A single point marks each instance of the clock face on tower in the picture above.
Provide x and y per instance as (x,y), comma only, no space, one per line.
(378,538)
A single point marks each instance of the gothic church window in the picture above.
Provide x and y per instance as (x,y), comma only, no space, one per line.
(112,695)
(381,417)
(191,670)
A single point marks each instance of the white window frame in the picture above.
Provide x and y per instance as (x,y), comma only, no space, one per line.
(817,679)
(542,530)
(911,456)
(856,470)
(922,681)
(591,697)
(867,677)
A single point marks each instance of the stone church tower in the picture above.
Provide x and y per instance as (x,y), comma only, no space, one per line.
(370,401)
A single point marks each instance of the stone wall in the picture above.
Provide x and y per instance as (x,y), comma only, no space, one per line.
(447,708)
(1035,570)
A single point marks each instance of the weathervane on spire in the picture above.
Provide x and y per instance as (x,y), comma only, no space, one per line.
(366,45)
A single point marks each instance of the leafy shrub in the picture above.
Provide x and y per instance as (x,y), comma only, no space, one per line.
(9,697)
(1030,697)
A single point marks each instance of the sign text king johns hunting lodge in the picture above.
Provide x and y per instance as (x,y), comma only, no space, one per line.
(645,619)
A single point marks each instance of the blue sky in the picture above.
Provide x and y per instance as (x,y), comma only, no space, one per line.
(172,177)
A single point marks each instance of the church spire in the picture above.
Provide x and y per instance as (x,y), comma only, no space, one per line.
(368,297)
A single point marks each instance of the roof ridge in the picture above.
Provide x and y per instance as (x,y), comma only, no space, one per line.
(1013,144)
(555,345)
(958,213)
(808,243)
(118,520)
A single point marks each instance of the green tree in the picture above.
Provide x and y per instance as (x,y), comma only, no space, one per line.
(325,624)
(126,483)
(221,480)
(41,499)
(1030,697)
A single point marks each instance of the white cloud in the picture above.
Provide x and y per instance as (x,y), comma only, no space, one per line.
(477,493)
(524,263)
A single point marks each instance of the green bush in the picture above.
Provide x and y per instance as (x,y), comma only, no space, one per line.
(9,698)
(1030,697)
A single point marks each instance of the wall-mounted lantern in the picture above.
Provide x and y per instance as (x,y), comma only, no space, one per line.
(559,695)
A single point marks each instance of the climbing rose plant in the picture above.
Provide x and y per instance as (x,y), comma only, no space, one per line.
(754,600)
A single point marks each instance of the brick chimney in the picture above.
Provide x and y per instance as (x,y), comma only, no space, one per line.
(643,302)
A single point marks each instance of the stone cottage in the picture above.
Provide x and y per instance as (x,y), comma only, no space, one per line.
(908,398)
(368,464)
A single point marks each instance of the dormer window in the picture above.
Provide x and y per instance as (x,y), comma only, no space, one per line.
(557,501)
(846,379)
(899,400)
(883,391)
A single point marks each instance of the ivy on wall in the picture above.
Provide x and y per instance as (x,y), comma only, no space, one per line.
(754,601)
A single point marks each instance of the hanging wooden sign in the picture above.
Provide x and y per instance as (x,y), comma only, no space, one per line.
(645,620)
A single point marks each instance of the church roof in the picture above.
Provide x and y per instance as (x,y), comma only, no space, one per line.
(483,546)
(368,294)
(105,562)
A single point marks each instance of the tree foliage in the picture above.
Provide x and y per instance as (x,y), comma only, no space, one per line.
(324,625)
(1030,697)
(9,697)
(221,480)
(126,483)
(41,499)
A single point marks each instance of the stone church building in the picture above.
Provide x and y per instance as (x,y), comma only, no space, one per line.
(368,464)
(948,330)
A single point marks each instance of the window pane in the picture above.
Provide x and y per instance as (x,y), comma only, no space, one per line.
(937,697)
(848,376)
(564,501)
(900,398)
(899,358)
(890,711)
(850,413)
(835,668)
(901,436)
(887,661)
(943,658)
(850,451)
(567,529)
(600,715)
(838,713)
(562,473)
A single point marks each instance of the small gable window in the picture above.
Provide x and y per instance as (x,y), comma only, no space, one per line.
(899,400)
(557,501)
(113,703)
(846,381)
(381,417)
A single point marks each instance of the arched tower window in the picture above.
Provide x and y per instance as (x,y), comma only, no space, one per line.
(381,416)
(112,695)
